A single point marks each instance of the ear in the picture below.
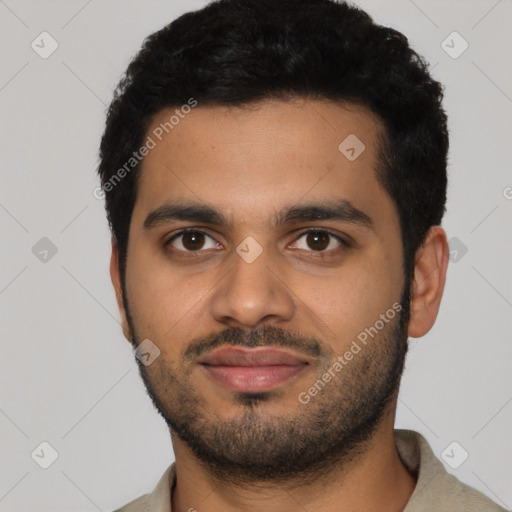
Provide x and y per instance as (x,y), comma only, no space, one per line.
(115,275)
(429,279)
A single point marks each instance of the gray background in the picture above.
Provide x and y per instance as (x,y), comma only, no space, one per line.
(68,376)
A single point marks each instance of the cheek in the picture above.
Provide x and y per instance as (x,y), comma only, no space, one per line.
(167,320)
(165,302)
(353,299)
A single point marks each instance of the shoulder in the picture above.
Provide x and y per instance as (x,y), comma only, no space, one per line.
(456,495)
(448,494)
(140,504)
(436,489)
(157,501)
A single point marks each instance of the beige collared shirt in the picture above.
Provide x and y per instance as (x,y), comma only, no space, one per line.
(436,490)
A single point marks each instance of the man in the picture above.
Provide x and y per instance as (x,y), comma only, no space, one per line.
(275,180)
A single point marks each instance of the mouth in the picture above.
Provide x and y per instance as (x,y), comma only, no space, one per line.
(253,370)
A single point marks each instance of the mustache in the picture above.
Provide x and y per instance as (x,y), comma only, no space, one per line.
(266,336)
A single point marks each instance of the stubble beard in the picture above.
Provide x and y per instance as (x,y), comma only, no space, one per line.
(331,431)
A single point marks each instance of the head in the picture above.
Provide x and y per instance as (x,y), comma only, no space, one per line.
(253,121)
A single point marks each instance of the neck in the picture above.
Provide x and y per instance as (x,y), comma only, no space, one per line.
(376,480)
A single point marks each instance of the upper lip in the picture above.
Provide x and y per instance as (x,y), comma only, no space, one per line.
(259,356)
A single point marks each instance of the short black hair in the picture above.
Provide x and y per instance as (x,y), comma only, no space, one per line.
(236,52)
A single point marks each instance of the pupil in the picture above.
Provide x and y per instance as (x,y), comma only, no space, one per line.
(316,239)
(192,241)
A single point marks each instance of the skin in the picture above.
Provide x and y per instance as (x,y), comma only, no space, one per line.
(250,163)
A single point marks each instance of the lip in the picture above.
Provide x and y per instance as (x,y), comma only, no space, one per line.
(258,356)
(252,370)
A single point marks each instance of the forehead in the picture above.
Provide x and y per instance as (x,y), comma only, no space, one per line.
(249,161)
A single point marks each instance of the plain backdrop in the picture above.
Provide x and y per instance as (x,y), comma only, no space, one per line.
(69,378)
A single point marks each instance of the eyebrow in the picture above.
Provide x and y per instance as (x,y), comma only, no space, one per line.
(341,210)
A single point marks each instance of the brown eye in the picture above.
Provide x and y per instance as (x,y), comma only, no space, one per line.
(190,241)
(321,241)
(193,241)
(318,240)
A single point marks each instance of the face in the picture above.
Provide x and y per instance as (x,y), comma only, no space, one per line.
(291,243)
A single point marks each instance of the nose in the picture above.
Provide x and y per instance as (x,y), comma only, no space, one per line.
(252,293)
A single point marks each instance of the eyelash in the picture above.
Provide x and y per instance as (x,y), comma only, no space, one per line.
(345,244)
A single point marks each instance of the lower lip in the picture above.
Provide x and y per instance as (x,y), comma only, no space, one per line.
(253,379)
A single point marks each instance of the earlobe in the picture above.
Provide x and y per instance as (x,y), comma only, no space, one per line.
(428,283)
(115,276)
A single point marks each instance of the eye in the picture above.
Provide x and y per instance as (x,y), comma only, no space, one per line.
(315,240)
(192,240)
(321,241)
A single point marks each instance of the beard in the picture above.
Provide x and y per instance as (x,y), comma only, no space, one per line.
(262,443)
